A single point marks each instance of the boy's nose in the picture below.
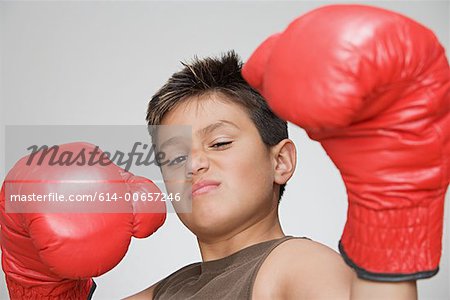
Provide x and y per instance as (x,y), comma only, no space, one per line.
(197,162)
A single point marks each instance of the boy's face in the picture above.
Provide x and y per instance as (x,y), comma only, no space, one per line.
(233,156)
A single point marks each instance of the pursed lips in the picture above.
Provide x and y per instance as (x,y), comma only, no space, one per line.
(204,186)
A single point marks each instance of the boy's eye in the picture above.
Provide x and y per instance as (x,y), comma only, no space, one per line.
(220,145)
(177,160)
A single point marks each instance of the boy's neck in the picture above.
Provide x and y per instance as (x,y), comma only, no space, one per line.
(266,229)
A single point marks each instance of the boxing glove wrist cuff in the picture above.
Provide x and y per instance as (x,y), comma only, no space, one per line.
(92,290)
(384,277)
(73,289)
(393,244)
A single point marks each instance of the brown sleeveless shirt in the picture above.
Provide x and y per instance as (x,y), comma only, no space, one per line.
(231,277)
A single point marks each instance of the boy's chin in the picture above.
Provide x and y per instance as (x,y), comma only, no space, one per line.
(209,229)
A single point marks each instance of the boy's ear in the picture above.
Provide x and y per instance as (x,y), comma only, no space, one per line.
(285,159)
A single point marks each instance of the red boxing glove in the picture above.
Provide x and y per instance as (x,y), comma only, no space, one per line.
(54,255)
(372,86)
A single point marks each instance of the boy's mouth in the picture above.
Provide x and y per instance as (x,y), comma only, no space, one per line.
(204,186)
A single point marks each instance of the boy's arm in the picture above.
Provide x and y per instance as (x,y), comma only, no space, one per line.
(314,271)
(320,273)
(364,289)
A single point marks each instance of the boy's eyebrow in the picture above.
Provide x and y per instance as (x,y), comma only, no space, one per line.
(173,140)
(202,132)
(210,128)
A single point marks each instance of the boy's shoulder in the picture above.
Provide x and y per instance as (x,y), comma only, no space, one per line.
(302,268)
(304,250)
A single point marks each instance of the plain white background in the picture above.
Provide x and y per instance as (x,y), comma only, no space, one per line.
(98,62)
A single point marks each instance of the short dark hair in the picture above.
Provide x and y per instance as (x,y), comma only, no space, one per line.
(218,75)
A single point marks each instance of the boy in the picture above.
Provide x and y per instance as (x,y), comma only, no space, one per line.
(239,163)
